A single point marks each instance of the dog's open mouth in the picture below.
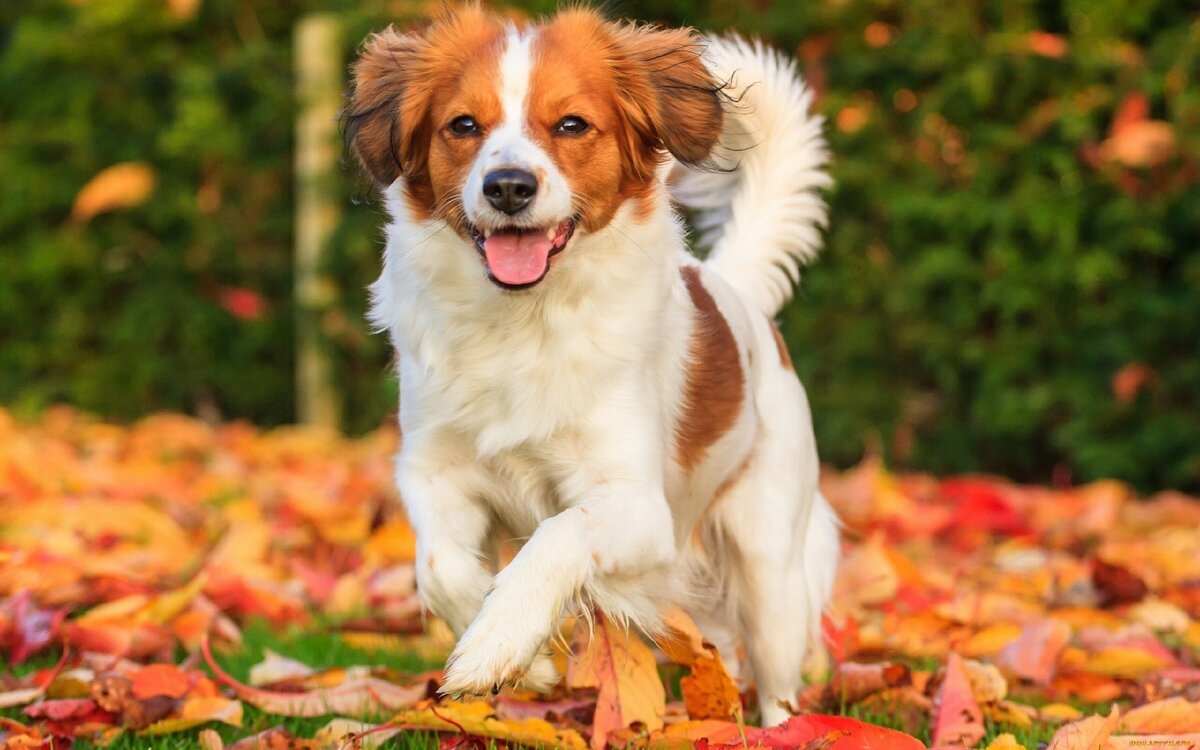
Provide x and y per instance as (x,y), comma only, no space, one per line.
(519,257)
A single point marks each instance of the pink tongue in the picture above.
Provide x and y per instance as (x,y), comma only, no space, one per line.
(517,257)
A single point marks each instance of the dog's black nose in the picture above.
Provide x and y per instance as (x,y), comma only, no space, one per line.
(509,190)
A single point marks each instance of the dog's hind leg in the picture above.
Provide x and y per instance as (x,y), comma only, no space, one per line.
(781,543)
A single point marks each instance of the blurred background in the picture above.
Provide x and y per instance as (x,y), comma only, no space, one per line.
(1011,284)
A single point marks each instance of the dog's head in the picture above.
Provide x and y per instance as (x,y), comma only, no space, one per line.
(519,137)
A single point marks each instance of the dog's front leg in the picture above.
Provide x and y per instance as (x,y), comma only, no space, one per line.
(617,527)
(440,483)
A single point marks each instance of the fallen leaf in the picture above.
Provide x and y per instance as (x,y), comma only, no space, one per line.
(843,732)
(1034,654)
(196,711)
(276,668)
(363,696)
(1117,584)
(957,718)
(1005,742)
(476,719)
(159,679)
(1086,734)
(625,674)
(1162,717)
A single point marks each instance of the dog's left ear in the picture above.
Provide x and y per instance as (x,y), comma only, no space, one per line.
(676,101)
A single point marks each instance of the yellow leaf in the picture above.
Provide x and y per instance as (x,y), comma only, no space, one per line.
(1124,661)
(122,185)
(196,711)
(625,674)
(393,542)
(990,640)
(1009,714)
(477,718)
(1059,712)
(1006,742)
(167,605)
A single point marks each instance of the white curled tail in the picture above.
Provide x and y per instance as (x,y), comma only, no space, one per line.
(762,220)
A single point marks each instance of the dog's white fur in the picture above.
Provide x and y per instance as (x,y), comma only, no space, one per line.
(551,413)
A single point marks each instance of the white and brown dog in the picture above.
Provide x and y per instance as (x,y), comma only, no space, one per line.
(570,375)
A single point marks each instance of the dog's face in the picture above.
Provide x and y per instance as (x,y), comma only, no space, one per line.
(519,138)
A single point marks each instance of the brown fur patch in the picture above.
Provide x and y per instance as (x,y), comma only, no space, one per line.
(715,385)
(785,358)
(407,88)
(640,90)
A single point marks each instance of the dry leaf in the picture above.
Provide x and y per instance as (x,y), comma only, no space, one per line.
(957,718)
(623,670)
(1161,717)
(122,185)
(1034,654)
(1086,734)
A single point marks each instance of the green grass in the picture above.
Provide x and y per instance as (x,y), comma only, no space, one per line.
(318,648)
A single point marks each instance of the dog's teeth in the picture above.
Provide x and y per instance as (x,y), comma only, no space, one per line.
(550,233)
(487,233)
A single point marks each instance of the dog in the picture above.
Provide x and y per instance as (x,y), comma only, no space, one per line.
(570,374)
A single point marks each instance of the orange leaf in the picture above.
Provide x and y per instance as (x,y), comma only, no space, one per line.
(682,641)
(709,692)
(625,673)
(1046,44)
(957,717)
(120,186)
(852,682)
(159,679)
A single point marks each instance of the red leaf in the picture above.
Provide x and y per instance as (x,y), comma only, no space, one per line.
(32,628)
(979,505)
(60,710)
(957,720)
(844,734)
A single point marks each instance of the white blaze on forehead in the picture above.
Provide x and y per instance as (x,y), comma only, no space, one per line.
(508,146)
(516,66)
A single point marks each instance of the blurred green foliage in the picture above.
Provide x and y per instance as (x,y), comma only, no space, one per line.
(997,294)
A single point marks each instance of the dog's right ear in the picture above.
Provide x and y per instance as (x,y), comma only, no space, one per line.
(387,115)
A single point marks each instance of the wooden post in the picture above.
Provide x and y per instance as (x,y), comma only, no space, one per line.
(319,66)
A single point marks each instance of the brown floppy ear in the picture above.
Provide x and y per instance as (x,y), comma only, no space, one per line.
(386,118)
(677,101)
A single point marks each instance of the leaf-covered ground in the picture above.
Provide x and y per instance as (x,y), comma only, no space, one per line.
(173,584)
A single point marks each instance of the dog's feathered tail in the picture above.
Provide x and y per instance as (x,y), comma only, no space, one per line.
(762,219)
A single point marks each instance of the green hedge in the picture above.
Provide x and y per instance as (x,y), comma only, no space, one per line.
(989,272)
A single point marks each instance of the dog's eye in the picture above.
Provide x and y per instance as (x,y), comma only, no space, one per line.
(571,125)
(464,125)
